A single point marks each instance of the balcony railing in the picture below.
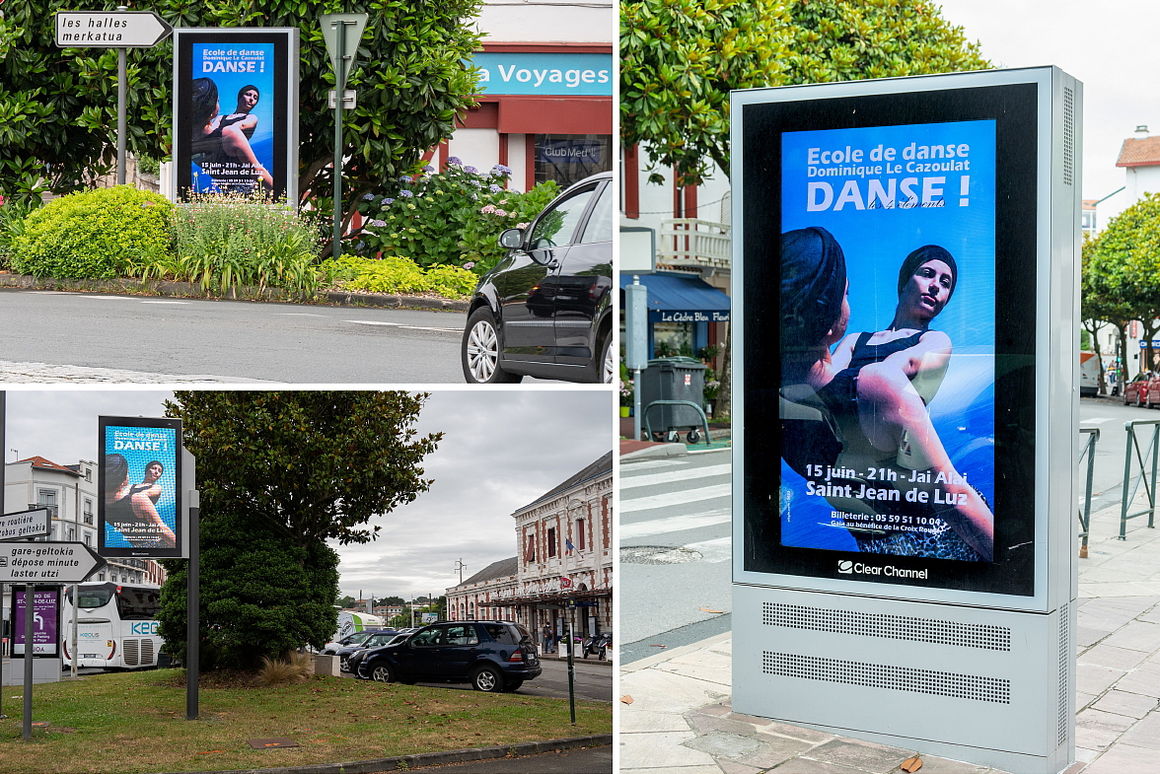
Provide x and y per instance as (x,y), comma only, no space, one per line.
(694,243)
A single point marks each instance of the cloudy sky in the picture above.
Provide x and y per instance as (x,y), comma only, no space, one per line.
(500,451)
(1110,47)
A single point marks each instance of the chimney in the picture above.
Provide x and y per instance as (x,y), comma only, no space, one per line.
(1141,131)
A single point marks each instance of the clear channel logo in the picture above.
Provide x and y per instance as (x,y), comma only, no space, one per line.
(850,567)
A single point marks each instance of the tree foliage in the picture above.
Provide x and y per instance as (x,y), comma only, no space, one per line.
(680,59)
(58,106)
(281,473)
(1121,271)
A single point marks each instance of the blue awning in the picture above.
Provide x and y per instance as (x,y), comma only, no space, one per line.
(672,298)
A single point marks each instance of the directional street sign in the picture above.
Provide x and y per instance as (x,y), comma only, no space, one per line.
(69,562)
(25,524)
(110,29)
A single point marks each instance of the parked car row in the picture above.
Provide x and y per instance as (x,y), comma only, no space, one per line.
(1143,390)
(493,656)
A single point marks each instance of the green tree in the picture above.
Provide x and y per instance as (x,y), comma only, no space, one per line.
(281,473)
(1102,299)
(345,601)
(58,106)
(1122,274)
(680,58)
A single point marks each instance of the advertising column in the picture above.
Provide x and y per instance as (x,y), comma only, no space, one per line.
(904,558)
(235,112)
(139,472)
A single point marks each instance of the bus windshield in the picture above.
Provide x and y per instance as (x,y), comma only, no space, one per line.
(133,603)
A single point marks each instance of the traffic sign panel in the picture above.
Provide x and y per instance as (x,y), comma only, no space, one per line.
(350,26)
(110,29)
(25,524)
(62,562)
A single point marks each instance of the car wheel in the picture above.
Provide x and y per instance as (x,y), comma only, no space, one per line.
(481,348)
(512,686)
(382,673)
(344,664)
(608,365)
(1139,400)
(487,679)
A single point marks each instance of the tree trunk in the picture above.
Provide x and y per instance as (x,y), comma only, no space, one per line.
(724,407)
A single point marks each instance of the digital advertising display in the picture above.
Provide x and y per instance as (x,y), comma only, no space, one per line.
(139,470)
(45,622)
(233,105)
(889,342)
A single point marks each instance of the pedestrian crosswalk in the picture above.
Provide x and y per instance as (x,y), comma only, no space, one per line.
(678,502)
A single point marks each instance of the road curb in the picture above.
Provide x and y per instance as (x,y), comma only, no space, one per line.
(131,287)
(404,762)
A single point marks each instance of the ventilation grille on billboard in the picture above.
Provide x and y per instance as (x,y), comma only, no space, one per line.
(896,627)
(895,678)
(1065,650)
(132,654)
(1068,135)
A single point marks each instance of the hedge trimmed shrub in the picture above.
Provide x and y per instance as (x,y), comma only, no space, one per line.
(95,234)
(396,274)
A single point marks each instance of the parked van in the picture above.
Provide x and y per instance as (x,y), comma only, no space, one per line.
(1089,373)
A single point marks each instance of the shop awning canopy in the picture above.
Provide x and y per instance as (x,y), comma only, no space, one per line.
(672,298)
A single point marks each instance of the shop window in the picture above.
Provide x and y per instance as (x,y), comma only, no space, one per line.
(671,339)
(568,158)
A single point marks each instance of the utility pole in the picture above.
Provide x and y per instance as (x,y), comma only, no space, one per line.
(459,565)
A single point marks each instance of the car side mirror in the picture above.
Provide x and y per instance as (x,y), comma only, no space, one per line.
(512,239)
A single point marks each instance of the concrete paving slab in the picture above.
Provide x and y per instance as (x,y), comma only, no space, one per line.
(1111,656)
(653,751)
(1125,759)
(721,744)
(1136,635)
(865,756)
(810,735)
(1145,733)
(1097,730)
(733,767)
(708,723)
(1090,678)
(667,692)
(637,720)
(945,766)
(1132,705)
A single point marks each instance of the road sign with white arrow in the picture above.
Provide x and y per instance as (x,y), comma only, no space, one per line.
(110,29)
(64,562)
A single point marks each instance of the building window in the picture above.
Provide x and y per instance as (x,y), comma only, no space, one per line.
(530,553)
(46,498)
(72,534)
(88,511)
(569,158)
(551,542)
(88,539)
(581,540)
(88,474)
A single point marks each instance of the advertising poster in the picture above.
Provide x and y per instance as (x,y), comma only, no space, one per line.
(888,255)
(45,622)
(139,475)
(232,99)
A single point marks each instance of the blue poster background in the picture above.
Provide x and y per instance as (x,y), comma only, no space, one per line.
(116,439)
(826,182)
(231,66)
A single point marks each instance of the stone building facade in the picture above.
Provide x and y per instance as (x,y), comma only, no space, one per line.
(563,568)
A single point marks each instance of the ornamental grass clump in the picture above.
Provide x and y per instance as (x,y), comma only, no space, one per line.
(98,234)
(226,242)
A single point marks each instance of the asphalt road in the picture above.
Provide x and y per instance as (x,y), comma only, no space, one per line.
(591,760)
(676,544)
(591,682)
(222,341)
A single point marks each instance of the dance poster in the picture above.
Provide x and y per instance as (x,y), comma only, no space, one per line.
(888,256)
(232,99)
(139,478)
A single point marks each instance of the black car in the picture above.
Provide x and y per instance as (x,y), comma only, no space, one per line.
(491,655)
(355,638)
(546,309)
(376,639)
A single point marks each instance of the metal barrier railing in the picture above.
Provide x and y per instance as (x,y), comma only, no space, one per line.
(1085,513)
(1148,480)
(700,411)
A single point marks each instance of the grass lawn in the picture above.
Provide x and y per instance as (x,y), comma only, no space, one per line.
(135,722)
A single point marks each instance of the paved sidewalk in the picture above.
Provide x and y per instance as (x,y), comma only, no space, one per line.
(679,720)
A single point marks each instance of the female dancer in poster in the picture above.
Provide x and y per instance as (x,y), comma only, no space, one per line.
(874,386)
(222,149)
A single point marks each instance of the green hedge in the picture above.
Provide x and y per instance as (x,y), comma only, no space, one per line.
(95,234)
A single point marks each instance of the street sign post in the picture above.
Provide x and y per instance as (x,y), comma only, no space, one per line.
(121,29)
(110,29)
(25,524)
(342,32)
(47,563)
